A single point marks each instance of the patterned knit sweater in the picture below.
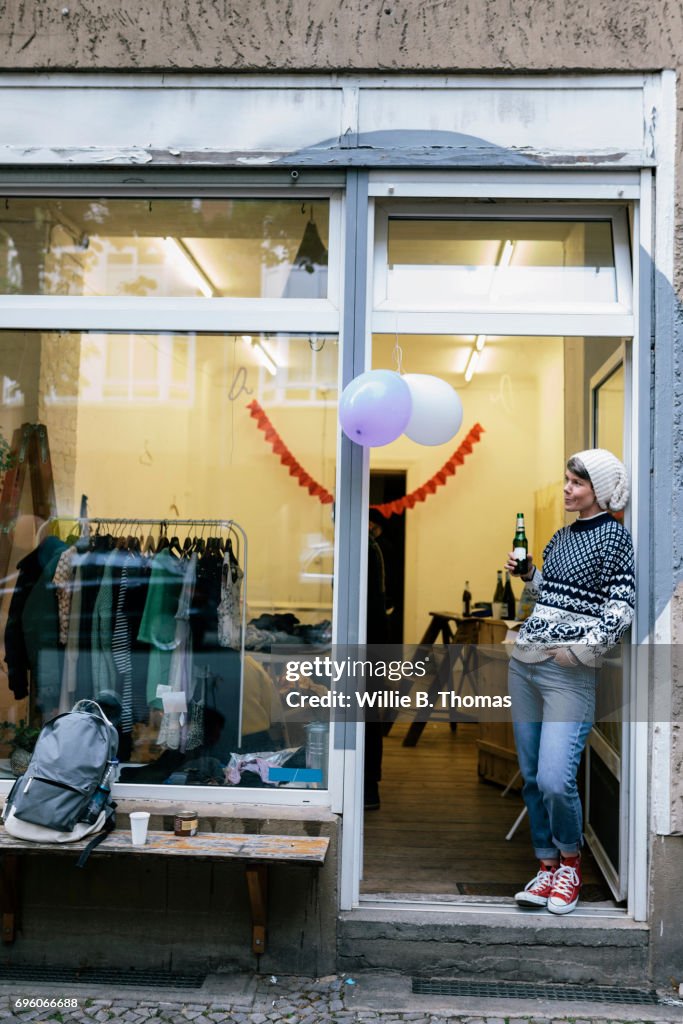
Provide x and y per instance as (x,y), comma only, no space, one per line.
(585,594)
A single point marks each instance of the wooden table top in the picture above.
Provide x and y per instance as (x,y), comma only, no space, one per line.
(205,845)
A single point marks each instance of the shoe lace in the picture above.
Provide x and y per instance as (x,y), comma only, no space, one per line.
(542,879)
(565,881)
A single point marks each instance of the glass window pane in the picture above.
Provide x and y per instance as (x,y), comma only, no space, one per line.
(234,248)
(160,426)
(511,264)
(609,413)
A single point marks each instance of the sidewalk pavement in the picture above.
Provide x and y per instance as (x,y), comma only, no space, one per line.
(365,998)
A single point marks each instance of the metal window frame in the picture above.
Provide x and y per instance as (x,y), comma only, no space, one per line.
(185,316)
(503,210)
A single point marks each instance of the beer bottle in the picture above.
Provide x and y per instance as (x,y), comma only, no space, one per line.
(521,547)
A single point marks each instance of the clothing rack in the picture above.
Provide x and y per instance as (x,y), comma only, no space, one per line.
(222,525)
(218,524)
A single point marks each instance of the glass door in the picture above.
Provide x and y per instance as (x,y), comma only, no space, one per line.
(516,305)
(605,803)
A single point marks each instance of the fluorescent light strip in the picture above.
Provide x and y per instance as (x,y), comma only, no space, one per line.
(480,340)
(187,265)
(471,365)
(262,354)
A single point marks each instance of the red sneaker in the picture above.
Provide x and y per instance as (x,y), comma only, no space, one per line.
(566,886)
(537,891)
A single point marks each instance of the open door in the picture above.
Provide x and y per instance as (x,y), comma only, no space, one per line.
(606,805)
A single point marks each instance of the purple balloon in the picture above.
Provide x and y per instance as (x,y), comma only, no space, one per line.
(375,407)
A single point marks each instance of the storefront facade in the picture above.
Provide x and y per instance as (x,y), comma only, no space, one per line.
(163,354)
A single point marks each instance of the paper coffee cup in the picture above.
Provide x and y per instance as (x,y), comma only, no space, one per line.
(139,823)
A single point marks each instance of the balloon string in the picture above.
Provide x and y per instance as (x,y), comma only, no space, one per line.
(398,357)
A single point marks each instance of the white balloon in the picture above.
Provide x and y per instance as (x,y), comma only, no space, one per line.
(437,409)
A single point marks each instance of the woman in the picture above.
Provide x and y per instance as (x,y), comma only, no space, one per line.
(584,603)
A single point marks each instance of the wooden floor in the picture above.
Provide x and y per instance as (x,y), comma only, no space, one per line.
(441,832)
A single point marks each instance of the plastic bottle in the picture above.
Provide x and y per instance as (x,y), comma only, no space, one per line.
(101,794)
(317,746)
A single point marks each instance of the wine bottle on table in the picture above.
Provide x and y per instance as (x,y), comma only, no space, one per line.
(509,596)
(466,600)
(520,547)
(499,597)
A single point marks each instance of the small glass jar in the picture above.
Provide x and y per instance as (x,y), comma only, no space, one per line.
(186,823)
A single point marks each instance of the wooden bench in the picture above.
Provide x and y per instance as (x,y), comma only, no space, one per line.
(257,851)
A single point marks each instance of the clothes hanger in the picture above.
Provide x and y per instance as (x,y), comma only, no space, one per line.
(199,544)
(163,539)
(174,545)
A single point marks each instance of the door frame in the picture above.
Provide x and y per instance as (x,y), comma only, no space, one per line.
(597,744)
(635,325)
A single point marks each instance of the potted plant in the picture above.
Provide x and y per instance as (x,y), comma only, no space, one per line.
(21,738)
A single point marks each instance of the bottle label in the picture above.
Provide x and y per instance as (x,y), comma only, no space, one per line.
(520,554)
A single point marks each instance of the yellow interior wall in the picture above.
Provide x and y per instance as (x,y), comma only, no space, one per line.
(464,531)
(208,459)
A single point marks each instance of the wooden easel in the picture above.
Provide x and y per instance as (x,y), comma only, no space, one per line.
(29,451)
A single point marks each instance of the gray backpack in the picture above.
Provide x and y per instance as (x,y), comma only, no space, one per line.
(53,801)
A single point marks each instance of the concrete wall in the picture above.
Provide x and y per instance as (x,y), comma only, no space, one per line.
(322,35)
(194,916)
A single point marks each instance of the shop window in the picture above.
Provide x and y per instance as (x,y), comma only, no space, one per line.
(517,263)
(223,248)
(156,427)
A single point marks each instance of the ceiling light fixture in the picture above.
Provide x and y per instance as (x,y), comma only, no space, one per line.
(187,265)
(266,359)
(311,252)
(471,365)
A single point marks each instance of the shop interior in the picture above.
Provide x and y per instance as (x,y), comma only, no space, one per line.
(444,794)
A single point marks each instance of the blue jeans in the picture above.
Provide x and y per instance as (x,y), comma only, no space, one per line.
(552,710)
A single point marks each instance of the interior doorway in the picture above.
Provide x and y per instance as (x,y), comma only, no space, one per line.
(388,485)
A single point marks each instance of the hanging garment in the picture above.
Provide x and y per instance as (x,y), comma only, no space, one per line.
(104,674)
(205,600)
(70,672)
(195,713)
(16,655)
(63,581)
(92,569)
(158,626)
(40,623)
(122,640)
(174,725)
(230,608)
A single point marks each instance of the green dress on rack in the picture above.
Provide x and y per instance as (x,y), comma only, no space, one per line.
(158,626)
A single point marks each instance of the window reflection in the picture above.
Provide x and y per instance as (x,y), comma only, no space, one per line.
(160,427)
(234,248)
(508,263)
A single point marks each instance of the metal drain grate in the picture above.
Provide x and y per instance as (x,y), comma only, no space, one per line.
(532,990)
(99,976)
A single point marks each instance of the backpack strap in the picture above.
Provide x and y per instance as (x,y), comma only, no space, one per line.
(109,826)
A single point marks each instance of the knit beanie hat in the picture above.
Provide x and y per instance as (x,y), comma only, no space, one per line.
(608,477)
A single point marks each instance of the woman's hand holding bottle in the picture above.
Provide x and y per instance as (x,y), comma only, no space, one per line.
(511,566)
